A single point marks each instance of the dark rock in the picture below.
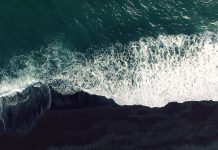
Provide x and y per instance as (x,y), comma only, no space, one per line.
(21,112)
(78,100)
(177,126)
(173,127)
(174,108)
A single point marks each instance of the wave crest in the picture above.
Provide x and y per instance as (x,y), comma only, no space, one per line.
(151,71)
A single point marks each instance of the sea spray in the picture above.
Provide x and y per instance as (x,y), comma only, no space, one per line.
(150,71)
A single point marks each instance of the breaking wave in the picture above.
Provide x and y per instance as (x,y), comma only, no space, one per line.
(151,71)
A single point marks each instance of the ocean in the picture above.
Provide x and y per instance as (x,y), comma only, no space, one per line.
(147,52)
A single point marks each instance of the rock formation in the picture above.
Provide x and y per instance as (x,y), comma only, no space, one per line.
(78,100)
(21,111)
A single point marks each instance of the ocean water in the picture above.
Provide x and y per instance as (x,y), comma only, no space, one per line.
(148,52)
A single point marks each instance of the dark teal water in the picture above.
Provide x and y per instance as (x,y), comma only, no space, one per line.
(27,25)
(49,38)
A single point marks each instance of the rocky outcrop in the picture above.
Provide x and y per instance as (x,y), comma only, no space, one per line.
(186,126)
(102,124)
(78,100)
(20,112)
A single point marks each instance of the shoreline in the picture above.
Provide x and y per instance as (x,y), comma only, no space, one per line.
(84,122)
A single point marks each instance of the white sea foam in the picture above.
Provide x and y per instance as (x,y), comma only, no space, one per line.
(15,86)
(151,71)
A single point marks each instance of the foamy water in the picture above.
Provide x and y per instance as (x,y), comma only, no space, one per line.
(151,71)
(10,88)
